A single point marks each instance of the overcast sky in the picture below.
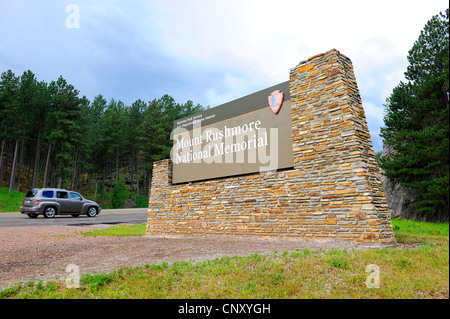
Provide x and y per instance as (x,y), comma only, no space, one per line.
(208,51)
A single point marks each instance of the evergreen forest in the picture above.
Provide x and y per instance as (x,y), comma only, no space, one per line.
(50,136)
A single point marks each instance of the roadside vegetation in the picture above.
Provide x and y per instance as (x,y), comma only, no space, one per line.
(117,198)
(120,230)
(419,271)
(102,148)
(12,202)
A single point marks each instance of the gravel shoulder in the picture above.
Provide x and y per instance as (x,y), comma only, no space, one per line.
(43,253)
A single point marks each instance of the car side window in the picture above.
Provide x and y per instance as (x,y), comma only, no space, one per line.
(47,194)
(62,194)
(75,196)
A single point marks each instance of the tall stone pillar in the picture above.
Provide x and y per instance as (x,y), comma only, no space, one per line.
(339,182)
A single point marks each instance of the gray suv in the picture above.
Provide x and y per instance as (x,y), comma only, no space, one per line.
(53,201)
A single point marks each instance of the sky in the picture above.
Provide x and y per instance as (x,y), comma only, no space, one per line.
(209,51)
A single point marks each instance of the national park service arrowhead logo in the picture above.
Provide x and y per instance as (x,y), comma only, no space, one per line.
(276,100)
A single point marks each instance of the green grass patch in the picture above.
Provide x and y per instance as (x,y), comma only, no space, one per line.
(10,203)
(422,272)
(410,231)
(411,227)
(119,230)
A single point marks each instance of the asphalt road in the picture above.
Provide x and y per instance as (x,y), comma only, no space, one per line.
(106,216)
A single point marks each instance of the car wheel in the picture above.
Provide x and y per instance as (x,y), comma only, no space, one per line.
(50,212)
(92,211)
(32,215)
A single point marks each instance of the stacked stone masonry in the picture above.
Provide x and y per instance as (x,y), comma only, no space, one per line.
(334,190)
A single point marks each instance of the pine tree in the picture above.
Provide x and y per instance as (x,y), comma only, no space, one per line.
(63,127)
(132,130)
(416,123)
(10,110)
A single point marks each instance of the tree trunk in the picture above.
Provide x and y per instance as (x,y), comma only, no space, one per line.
(59,180)
(13,169)
(8,158)
(44,184)
(72,184)
(19,169)
(137,176)
(117,165)
(131,172)
(1,161)
(36,160)
(104,176)
(52,169)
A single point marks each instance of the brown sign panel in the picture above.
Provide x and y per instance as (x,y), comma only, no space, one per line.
(235,138)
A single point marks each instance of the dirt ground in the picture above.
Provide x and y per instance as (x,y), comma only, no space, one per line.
(42,253)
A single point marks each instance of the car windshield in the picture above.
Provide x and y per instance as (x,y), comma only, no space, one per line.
(31,193)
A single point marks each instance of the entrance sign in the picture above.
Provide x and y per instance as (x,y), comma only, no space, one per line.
(240,137)
(292,161)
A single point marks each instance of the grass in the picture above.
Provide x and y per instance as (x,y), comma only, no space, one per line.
(409,231)
(422,272)
(411,227)
(10,203)
(120,230)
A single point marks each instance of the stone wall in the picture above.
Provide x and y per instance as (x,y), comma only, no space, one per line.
(333,191)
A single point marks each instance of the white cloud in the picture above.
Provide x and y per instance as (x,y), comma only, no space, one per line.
(211,51)
(260,36)
(264,39)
